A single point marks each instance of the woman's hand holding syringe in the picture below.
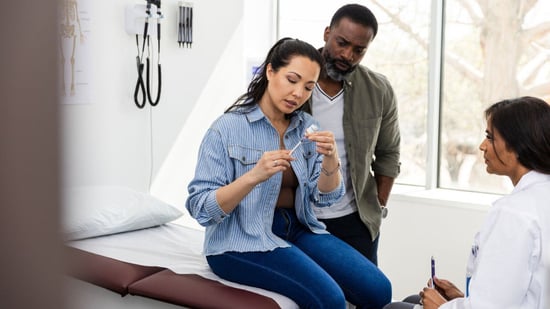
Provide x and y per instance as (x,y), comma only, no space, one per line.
(312,128)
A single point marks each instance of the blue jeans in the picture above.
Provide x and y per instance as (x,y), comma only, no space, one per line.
(352,230)
(317,271)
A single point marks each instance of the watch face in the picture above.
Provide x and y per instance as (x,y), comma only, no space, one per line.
(384,210)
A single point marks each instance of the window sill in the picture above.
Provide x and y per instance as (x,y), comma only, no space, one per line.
(443,197)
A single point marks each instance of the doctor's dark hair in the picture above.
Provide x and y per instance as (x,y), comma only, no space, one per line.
(524,124)
(358,14)
(278,56)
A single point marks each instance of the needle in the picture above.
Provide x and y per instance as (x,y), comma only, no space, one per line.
(295,147)
(312,128)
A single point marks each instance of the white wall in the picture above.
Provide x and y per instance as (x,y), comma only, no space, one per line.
(423,223)
(107,142)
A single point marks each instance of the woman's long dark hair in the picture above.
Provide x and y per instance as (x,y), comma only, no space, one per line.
(524,124)
(279,56)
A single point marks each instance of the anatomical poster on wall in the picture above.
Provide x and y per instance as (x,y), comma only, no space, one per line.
(75,52)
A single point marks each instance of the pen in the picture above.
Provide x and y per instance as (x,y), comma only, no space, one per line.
(432,264)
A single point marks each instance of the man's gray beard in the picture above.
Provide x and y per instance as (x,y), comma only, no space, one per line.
(336,74)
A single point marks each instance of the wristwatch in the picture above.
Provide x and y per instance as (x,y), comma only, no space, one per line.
(384,210)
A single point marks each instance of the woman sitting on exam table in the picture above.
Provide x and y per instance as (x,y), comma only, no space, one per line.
(508,254)
(258,173)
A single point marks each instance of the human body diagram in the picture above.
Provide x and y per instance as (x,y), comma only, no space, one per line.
(70,21)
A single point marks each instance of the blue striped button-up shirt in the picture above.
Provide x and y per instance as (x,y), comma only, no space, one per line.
(230,148)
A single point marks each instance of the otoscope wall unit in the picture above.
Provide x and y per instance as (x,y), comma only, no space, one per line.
(136,15)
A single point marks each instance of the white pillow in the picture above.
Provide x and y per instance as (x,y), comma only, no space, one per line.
(102,210)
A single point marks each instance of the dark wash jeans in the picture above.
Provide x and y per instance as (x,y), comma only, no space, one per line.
(317,271)
(352,230)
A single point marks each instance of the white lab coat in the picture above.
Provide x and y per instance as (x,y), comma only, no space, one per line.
(508,255)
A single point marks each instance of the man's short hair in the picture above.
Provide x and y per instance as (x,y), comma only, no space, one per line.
(358,14)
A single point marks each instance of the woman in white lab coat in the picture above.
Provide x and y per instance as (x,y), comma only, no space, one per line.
(506,264)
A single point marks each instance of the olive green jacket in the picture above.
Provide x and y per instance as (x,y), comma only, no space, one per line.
(372,139)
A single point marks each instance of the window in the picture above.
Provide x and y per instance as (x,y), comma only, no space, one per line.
(446,62)
(491,53)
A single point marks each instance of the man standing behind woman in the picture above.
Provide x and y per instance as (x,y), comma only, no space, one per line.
(255,197)
(359,107)
(506,267)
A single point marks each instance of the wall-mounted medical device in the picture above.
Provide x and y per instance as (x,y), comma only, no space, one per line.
(136,16)
(144,20)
